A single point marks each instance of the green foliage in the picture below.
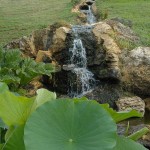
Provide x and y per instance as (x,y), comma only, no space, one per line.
(15,140)
(124,143)
(19,108)
(66,124)
(15,69)
(137,135)
(120,116)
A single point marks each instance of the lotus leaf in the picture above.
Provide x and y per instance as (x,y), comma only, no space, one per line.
(70,125)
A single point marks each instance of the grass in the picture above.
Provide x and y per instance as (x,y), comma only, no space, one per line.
(21,17)
(135,10)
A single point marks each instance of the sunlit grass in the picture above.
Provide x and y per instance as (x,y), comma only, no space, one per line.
(138,11)
(21,17)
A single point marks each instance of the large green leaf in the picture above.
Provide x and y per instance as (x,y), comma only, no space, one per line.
(43,96)
(16,109)
(15,140)
(120,116)
(70,125)
(9,132)
(127,144)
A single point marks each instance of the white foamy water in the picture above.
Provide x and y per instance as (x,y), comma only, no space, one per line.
(84,80)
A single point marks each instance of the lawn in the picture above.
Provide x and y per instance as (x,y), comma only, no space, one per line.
(21,17)
(138,11)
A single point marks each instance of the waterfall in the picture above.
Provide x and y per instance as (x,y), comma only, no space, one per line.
(90,17)
(84,81)
(78,57)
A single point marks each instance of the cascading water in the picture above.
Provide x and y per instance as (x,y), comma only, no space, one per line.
(90,17)
(84,79)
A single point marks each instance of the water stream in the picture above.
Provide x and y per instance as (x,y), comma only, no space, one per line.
(84,81)
(90,16)
(89,13)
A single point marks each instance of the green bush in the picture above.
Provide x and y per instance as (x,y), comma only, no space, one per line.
(15,69)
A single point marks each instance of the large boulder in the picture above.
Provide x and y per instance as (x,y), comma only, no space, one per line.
(136,71)
(25,44)
(106,44)
(30,45)
(59,39)
(131,103)
(49,39)
(122,32)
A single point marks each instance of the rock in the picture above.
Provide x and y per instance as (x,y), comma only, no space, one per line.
(32,44)
(40,38)
(81,19)
(89,2)
(59,82)
(109,74)
(68,67)
(139,56)
(105,92)
(101,28)
(59,38)
(33,86)
(25,44)
(122,31)
(44,56)
(136,71)
(44,39)
(147,104)
(110,45)
(102,32)
(131,103)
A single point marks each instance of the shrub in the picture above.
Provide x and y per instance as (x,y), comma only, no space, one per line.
(15,69)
